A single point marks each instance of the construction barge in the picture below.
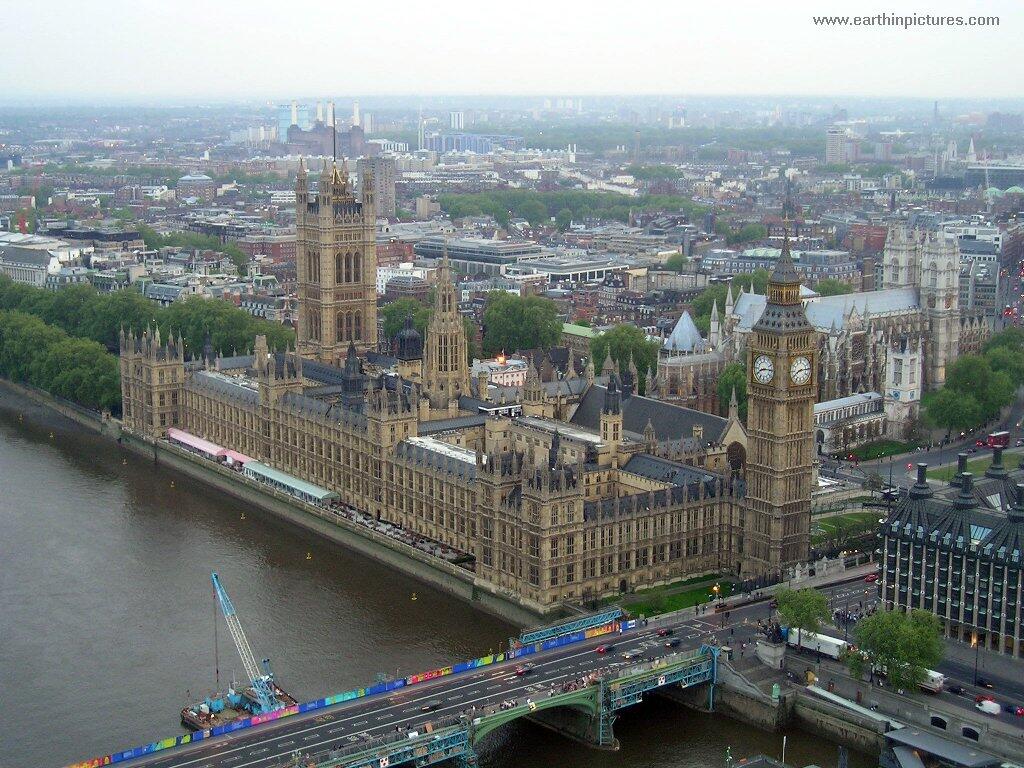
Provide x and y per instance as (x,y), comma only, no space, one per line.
(211,712)
(261,696)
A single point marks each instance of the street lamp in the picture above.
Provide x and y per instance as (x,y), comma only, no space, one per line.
(977,652)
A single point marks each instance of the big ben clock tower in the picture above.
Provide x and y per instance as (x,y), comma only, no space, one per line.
(781,372)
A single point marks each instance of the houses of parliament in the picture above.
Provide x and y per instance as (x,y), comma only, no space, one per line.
(568,490)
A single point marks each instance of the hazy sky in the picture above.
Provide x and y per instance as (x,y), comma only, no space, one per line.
(149,50)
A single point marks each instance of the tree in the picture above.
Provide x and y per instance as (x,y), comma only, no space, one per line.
(733,379)
(512,323)
(901,646)
(533,211)
(394,315)
(756,281)
(952,411)
(676,261)
(563,219)
(832,287)
(802,609)
(624,341)
(1007,360)
(973,375)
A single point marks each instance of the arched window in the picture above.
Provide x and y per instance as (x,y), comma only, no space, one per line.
(338,268)
(357,268)
(339,326)
(358,329)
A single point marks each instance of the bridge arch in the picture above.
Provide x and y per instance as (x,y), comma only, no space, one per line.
(583,700)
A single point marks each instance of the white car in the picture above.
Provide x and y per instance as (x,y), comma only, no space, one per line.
(988,707)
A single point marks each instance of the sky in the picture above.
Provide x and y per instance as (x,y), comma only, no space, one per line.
(149,51)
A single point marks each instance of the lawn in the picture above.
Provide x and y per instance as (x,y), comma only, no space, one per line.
(881,448)
(660,600)
(850,524)
(977,466)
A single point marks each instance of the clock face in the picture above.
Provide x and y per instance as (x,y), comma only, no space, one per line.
(764,369)
(800,370)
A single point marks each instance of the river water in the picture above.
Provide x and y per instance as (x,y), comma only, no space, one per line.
(107,615)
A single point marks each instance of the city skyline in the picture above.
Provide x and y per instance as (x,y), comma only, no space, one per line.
(149,51)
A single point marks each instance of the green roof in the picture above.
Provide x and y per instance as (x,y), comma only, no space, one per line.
(321,494)
(579,330)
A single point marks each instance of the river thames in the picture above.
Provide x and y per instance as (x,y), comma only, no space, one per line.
(108,616)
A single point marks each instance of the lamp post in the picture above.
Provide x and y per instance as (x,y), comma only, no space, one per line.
(977,653)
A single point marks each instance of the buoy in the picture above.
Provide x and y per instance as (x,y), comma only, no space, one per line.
(309,555)
(414,596)
(243,516)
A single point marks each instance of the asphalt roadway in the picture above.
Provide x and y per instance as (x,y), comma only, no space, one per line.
(470,693)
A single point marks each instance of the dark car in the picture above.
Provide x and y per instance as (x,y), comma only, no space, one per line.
(431,705)
(956,690)
(605,648)
(665,632)
(673,643)
(981,682)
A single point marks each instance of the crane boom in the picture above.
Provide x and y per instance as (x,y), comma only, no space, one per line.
(260,681)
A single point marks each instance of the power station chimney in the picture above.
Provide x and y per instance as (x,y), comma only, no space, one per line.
(295,113)
(320,112)
(355,113)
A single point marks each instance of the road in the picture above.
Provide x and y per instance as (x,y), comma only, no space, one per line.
(409,709)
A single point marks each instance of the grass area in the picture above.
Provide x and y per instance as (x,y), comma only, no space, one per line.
(882,448)
(977,466)
(850,524)
(660,600)
(853,501)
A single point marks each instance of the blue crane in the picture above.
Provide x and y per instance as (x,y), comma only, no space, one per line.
(261,681)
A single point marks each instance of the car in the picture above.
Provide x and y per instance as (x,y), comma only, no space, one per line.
(524,669)
(1020,442)
(665,632)
(605,648)
(871,578)
(983,697)
(673,643)
(981,682)
(630,655)
(956,690)
(980,443)
(431,705)
(988,707)
(972,449)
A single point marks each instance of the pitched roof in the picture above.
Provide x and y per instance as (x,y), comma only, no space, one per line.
(685,337)
(826,311)
(672,422)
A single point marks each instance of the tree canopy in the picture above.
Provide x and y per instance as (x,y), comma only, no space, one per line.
(832,287)
(622,341)
(394,315)
(676,261)
(976,388)
(733,378)
(82,312)
(46,357)
(512,323)
(901,645)
(802,609)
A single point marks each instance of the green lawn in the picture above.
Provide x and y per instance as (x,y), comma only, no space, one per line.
(659,600)
(854,522)
(977,466)
(881,448)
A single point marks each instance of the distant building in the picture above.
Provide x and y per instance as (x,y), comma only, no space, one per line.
(477,255)
(457,120)
(382,169)
(29,266)
(835,146)
(426,207)
(197,185)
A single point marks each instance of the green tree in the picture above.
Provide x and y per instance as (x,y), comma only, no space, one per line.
(676,261)
(901,645)
(802,609)
(832,287)
(756,281)
(973,374)
(624,341)
(533,211)
(563,219)
(952,411)
(512,323)
(702,305)
(394,315)
(1006,359)
(733,379)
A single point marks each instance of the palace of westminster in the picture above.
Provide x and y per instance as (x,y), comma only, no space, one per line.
(568,489)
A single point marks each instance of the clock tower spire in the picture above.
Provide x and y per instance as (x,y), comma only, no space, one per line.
(782,368)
